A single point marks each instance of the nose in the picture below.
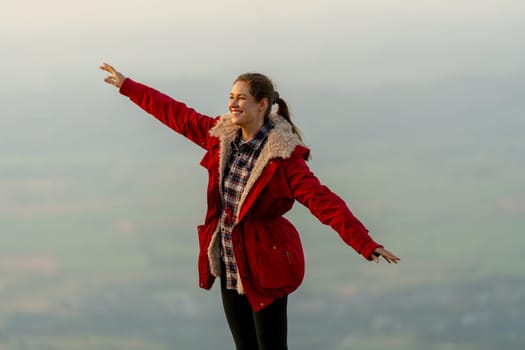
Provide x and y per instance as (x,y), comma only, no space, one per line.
(233,102)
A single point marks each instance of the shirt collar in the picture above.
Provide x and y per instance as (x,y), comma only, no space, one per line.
(256,141)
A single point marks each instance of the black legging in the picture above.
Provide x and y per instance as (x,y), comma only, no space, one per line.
(262,330)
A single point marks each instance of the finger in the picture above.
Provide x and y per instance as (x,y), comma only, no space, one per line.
(393,258)
(110,80)
(386,257)
(111,69)
(389,254)
(108,68)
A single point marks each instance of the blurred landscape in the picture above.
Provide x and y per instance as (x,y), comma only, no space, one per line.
(99,204)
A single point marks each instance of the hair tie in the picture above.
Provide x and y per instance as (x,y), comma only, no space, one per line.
(276,97)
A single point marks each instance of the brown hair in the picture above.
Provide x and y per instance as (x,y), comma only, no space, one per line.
(262,87)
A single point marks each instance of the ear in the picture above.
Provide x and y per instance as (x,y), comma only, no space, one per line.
(263,104)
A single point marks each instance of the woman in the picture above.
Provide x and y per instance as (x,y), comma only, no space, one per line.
(257,168)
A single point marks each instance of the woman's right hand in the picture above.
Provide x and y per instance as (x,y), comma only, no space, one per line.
(115,78)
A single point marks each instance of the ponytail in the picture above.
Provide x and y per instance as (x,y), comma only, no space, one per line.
(283,111)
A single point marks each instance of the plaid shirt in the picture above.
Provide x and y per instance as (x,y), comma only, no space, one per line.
(242,159)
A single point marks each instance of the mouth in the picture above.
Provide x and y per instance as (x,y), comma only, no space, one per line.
(235,111)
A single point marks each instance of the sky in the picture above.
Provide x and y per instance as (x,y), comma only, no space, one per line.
(348,44)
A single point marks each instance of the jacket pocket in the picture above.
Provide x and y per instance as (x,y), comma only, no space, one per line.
(278,267)
(205,274)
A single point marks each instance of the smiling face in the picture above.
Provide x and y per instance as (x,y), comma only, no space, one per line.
(246,112)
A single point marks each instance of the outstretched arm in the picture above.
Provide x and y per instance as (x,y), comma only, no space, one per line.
(331,210)
(174,114)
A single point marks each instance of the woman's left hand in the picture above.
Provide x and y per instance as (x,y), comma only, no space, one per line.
(388,256)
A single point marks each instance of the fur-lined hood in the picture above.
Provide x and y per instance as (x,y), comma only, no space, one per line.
(282,141)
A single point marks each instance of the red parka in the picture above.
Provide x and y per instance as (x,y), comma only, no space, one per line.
(267,247)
